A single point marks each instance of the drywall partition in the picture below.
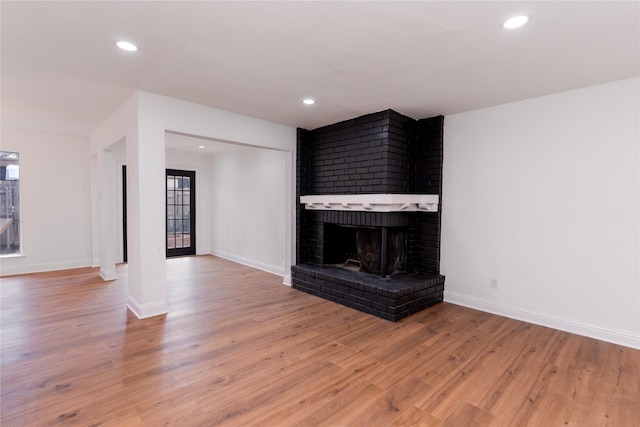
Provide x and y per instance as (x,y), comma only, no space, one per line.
(207,122)
(188,118)
(119,152)
(55,201)
(145,158)
(249,195)
(111,135)
(146,184)
(541,199)
(105,168)
(143,121)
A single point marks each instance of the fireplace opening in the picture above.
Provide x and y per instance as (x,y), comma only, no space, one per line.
(373,250)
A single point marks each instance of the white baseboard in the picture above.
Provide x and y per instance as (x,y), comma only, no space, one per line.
(627,339)
(143,311)
(108,275)
(17,265)
(269,268)
(286,279)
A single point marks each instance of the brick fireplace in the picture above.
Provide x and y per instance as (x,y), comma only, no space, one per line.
(368,217)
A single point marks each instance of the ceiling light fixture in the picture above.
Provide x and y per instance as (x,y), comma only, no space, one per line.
(308,101)
(515,22)
(130,47)
(202,146)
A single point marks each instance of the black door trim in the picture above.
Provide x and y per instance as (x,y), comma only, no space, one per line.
(124,214)
(191,249)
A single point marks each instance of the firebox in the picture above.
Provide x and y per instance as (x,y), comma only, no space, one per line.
(373,250)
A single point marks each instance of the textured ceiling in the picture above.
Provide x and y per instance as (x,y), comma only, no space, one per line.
(61,71)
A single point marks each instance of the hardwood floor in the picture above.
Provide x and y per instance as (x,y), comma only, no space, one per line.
(239,348)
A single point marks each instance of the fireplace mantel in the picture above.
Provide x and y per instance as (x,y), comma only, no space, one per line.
(373,202)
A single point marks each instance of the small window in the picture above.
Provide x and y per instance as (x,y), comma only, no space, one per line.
(9,203)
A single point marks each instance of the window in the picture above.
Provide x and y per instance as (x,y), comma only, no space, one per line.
(9,203)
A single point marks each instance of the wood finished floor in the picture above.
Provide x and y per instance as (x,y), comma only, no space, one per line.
(239,348)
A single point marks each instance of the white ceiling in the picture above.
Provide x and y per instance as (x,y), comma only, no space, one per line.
(61,71)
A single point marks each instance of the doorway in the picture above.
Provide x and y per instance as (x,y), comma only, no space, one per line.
(181,212)
(180,215)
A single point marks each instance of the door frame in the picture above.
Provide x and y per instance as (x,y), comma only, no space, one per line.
(124,214)
(191,249)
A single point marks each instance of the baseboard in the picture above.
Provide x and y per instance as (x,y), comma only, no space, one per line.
(15,265)
(269,268)
(108,275)
(143,311)
(286,279)
(627,339)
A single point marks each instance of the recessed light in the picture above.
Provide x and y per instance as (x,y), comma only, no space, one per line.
(308,101)
(515,22)
(127,46)
(202,146)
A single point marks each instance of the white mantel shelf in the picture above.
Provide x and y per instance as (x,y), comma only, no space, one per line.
(373,202)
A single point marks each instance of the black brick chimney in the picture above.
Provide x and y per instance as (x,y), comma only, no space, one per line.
(380,153)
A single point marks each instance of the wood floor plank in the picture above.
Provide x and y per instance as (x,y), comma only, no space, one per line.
(387,410)
(468,415)
(415,417)
(310,396)
(343,408)
(239,348)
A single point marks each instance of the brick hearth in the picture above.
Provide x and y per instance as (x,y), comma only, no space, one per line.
(392,298)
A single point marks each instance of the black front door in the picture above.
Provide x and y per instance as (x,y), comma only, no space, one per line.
(181,212)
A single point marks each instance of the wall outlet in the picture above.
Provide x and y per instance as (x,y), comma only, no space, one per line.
(494,283)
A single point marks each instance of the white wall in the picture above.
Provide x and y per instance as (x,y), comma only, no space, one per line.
(543,195)
(248,209)
(55,201)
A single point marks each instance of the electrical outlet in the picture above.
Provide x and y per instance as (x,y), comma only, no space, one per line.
(494,283)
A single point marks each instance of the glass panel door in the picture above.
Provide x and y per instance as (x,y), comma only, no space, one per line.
(9,203)
(181,237)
